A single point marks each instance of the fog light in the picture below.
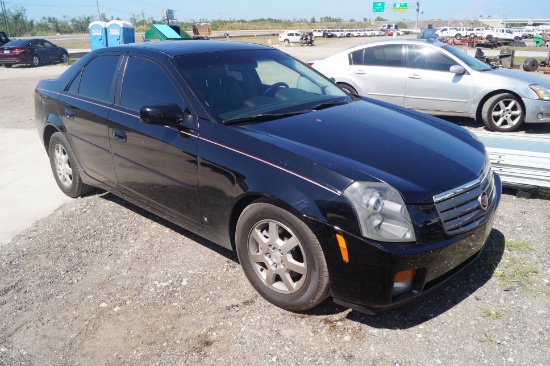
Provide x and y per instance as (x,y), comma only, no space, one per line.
(403,282)
(540,116)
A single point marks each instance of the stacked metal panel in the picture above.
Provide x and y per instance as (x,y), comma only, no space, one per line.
(519,159)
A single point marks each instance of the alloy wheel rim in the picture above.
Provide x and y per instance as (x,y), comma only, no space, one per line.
(507,113)
(63,166)
(277,256)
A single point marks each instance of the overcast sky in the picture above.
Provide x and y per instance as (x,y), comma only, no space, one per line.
(283,9)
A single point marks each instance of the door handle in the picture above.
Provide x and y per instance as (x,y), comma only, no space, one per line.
(360,72)
(415,76)
(120,135)
(69,114)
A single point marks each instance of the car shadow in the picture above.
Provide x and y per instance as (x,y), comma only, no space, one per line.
(437,302)
(229,254)
(471,124)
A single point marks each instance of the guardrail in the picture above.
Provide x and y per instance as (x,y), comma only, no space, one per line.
(520,160)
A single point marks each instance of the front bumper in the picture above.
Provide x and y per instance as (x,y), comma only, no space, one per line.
(536,110)
(366,282)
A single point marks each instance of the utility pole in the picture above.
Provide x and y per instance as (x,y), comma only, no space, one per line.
(98,14)
(417,12)
(5,17)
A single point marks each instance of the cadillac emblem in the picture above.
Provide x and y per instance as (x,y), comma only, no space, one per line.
(483,201)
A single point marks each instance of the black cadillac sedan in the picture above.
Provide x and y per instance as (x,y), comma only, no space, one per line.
(319,192)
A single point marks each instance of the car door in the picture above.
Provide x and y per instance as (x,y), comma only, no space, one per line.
(431,87)
(51,50)
(84,111)
(378,72)
(154,164)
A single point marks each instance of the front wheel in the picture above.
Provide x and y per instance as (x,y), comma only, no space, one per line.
(281,257)
(287,42)
(64,167)
(64,58)
(347,88)
(503,113)
(458,36)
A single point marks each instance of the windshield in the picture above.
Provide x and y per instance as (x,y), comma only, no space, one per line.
(236,85)
(472,62)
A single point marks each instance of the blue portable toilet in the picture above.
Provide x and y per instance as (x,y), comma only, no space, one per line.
(98,34)
(119,32)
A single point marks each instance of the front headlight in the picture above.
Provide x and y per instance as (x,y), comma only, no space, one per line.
(382,213)
(541,91)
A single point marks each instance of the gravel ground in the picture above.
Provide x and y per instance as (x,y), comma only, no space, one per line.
(102,282)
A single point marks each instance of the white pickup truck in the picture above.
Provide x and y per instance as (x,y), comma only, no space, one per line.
(500,34)
(454,32)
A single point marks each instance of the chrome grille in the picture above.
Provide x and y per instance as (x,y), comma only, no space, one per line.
(460,208)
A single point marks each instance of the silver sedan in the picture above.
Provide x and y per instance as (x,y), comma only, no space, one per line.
(438,79)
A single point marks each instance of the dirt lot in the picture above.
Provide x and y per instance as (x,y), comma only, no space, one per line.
(102,282)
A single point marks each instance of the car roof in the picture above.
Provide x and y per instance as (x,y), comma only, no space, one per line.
(184,47)
(418,41)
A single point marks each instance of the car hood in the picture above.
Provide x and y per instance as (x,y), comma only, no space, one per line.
(417,154)
(520,76)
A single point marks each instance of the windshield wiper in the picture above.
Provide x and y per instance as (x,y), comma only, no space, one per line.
(263,117)
(328,104)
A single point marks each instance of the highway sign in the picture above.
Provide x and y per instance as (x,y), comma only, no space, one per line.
(378,6)
(400,7)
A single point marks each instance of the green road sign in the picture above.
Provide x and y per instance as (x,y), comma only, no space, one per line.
(378,6)
(399,7)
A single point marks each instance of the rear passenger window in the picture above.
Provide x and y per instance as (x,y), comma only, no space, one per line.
(383,56)
(97,78)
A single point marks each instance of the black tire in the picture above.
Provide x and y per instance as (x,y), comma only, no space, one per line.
(530,64)
(287,42)
(347,88)
(503,113)
(458,36)
(489,38)
(8,65)
(64,58)
(35,60)
(281,257)
(64,167)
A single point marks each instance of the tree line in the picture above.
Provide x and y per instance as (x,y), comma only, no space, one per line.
(19,25)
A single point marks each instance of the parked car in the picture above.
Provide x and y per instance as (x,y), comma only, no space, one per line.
(386,32)
(290,36)
(255,151)
(3,38)
(31,51)
(438,79)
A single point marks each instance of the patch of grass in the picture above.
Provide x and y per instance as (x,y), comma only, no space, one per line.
(492,313)
(516,270)
(490,339)
(520,246)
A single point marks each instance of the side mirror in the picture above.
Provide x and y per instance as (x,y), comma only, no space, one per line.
(161,114)
(457,69)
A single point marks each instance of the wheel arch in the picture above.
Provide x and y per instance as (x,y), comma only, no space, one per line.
(251,198)
(53,125)
(483,100)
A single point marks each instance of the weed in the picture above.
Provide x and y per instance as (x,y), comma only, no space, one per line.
(492,313)
(520,246)
(490,339)
(516,270)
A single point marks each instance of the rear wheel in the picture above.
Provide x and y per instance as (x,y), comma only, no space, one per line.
(64,167)
(35,61)
(458,36)
(503,113)
(287,42)
(281,257)
(8,65)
